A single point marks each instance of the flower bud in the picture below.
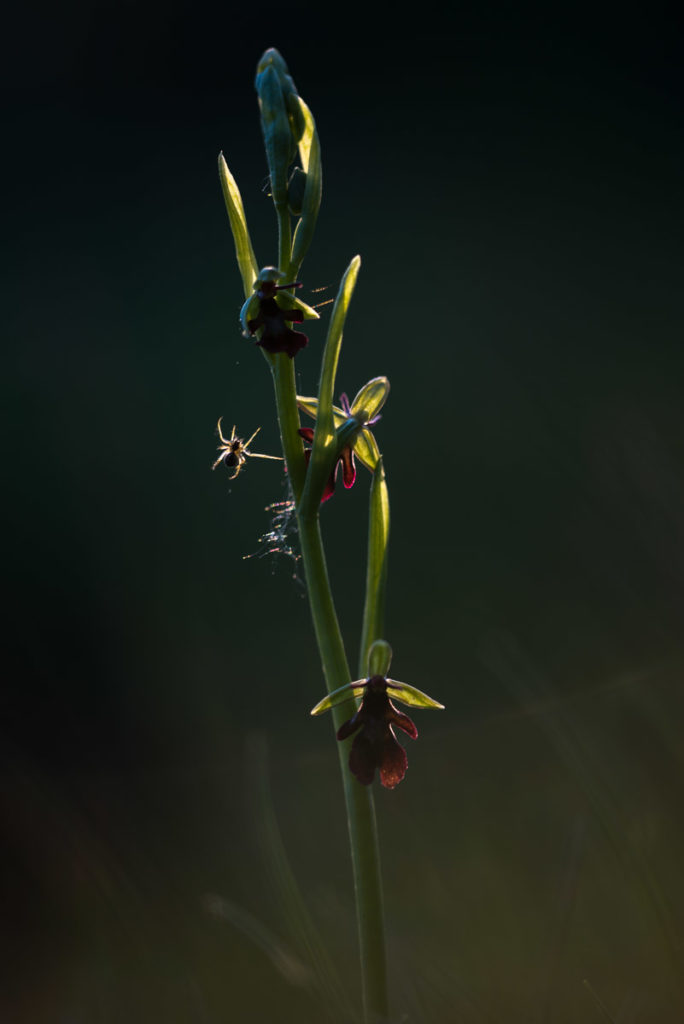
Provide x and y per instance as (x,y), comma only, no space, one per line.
(379,658)
(279,141)
(295,191)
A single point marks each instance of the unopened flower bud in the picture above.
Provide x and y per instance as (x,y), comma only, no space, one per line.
(379,658)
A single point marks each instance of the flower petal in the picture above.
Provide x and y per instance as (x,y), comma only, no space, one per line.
(394,762)
(349,469)
(402,721)
(362,759)
(329,488)
(349,727)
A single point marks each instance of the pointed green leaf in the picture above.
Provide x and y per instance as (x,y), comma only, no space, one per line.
(238,224)
(325,445)
(339,696)
(411,696)
(310,157)
(376,569)
(371,398)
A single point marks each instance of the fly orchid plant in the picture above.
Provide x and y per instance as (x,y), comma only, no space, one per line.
(340,434)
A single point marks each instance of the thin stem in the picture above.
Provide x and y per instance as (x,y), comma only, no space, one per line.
(288,417)
(284,238)
(363,836)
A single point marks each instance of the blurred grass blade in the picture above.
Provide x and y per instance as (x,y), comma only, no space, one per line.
(303,932)
(325,442)
(376,572)
(285,962)
(238,224)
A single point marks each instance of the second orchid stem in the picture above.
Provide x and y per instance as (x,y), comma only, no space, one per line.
(359,799)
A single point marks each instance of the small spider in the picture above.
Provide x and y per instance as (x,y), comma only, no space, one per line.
(234,451)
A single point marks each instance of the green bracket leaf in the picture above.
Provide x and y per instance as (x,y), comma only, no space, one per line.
(376,571)
(238,225)
(325,443)
(310,157)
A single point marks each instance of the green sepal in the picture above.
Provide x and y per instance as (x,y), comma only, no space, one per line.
(339,696)
(370,399)
(411,696)
(366,450)
(379,658)
(288,301)
(365,446)
(249,311)
(238,225)
(310,407)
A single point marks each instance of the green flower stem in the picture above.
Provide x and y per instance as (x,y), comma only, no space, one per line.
(359,799)
(284,238)
(288,417)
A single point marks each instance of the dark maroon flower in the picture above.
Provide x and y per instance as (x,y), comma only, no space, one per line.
(346,457)
(277,336)
(375,745)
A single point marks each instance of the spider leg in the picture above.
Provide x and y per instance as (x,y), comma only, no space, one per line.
(239,466)
(256,455)
(220,458)
(220,433)
(247,443)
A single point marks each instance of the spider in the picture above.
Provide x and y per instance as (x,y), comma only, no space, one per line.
(234,450)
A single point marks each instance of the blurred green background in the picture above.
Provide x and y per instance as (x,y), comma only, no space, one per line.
(513,184)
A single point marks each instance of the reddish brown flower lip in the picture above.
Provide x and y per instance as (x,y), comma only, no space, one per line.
(376,745)
(277,336)
(346,457)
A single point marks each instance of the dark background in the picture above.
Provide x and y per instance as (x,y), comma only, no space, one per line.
(513,184)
